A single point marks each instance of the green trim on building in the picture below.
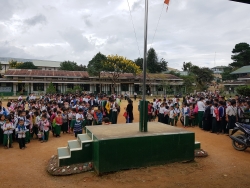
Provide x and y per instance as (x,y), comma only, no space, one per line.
(242,70)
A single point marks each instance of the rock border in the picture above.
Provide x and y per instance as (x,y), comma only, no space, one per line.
(54,170)
(200,153)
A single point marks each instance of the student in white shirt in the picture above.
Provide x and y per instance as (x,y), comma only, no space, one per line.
(161,114)
(172,115)
(166,114)
(201,110)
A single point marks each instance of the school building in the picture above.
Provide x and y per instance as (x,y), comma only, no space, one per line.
(23,81)
(40,64)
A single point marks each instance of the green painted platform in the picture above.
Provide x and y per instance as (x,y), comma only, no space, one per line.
(77,151)
(122,146)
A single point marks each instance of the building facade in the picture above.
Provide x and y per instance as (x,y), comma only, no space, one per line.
(41,64)
(243,75)
(18,81)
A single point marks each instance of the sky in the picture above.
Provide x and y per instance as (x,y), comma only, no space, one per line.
(203,32)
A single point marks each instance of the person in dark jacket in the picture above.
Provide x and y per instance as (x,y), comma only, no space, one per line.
(92,102)
(206,117)
(129,110)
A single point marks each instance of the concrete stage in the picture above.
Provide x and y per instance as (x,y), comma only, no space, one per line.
(122,146)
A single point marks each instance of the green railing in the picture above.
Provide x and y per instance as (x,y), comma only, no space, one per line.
(5,94)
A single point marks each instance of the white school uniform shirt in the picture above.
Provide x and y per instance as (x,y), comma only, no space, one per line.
(154,105)
(43,108)
(21,133)
(161,111)
(159,104)
(85,99)
(171,114)
(201,106)
(89,116)
(231,111)
(185,109)
(177,110)
(166,111)
(211,109)
(79,116)
(114,109)
(8,125)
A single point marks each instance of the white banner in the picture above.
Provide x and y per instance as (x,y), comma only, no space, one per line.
(5,89)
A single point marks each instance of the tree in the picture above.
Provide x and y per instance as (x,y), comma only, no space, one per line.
(153,64)
(174,73)
(68,65)
(243,90)
(189,82)
(116,65)
(152,61)
(26,65)
(95,66)
(139,62)
(241,55)
(203,75)
(163,65)
(226,74)
(1,68)
(13,64)
(51,88)
(187,66)
(82,68)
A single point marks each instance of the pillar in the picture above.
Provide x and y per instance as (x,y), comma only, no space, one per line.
(14,89)
(45,87)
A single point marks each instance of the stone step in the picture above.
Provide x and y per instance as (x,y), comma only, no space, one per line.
(63,153)
(83,138)
(197,145)
(74,145)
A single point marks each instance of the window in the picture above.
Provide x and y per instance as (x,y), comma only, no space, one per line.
(70,86)
(38,78)
(38,87)
(85,87)
(159,88)
(125,87)
(20,87)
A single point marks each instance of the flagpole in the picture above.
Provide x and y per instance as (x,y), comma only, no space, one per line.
(144,104)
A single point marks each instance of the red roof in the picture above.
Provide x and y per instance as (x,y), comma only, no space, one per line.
(46,73)
(82,74)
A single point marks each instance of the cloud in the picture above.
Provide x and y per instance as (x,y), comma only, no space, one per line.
(76,40)
(38,19)
(137,5)
(7,50)
(72,30)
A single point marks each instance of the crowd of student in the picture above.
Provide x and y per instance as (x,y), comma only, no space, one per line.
(33,118)
(210,112)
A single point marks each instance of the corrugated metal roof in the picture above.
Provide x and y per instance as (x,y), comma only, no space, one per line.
(38,63)
(82,74)
(46,73)
(242,70)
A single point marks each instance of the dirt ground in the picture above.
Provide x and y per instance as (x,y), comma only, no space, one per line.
(224,167)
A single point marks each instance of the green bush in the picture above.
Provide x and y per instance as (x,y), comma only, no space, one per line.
(243,90)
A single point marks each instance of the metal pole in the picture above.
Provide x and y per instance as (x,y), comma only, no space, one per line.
(145,50)
(144,119)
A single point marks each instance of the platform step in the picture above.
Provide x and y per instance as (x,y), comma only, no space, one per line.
(63,153)
(74,145)
(197,145)
(84,138)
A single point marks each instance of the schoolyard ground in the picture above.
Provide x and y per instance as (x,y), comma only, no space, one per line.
(224,167)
